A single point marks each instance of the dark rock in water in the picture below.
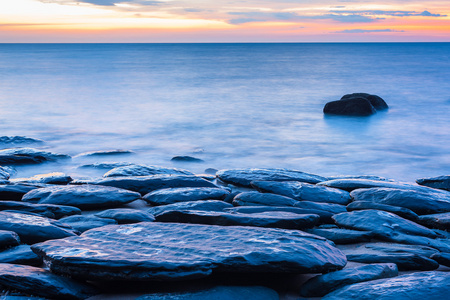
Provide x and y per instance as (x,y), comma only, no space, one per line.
(325,216)
(439,221)
(442,258)
(243,177)
(350,107)
(204,205)
(8,239)
(333,208)
(187,159)
(377,102)
(350,184)
(420,285)
(33,229)
(50,178)
(321,285)
(342,236)
(39,282)
(14,192)
(264,199)
(15,156)
(105,165)
(21,255)
(147,184)
(304,191)
(18,140)
(105,153)
(144,170)
(126,215)
(86,222)
(399,211)
(175,195)
(172,251)
(218,293)
(381,223)
(441,182)
(211,171)
(273,219)
(417,201)
(83,197)
(48,210)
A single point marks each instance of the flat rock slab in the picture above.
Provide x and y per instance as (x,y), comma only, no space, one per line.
(50,178)
(126,215)
(399,211)
(330,207)
(101,153)
(15,191)
(186,159)
(342,236)
(175,195)
(440,182)
(18,156)
(442,258)
(39,282)
(105,165)
(420,285)
(439,221)
(47,210)
(34,229)
(147,184)
(218,293)
(205,205)
(8,239)
(144,170)
(264,199)
(275,219)
(83,197)
(86,222)
(21,255)
(350,184)
(418,201)
(321,285)
(304,191)
(243,177)
(171,251)
(18,140)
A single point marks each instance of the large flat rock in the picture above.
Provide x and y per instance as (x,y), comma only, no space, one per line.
(202,205)
(21,255)
(171,251)
(126,215)
(49,178)
(83,197)
(399,211)
(439,221)
(341,235)
(39,282)
(47,210)
(145,170)
(420,285)
(264,199)
(350,184)
(19,156)
(440,182)
(8,239)
(243,177)
(14,191)
(330,207)
(175,195)
(86,222)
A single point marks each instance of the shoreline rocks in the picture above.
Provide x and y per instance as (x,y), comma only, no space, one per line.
(357,104)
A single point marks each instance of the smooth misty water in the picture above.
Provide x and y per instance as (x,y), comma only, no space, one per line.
(233,105)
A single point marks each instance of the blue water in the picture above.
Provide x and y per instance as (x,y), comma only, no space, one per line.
(232,105)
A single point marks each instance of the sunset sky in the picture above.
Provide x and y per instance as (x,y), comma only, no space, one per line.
(224,21)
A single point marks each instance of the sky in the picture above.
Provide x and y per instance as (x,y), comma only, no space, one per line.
(148,21)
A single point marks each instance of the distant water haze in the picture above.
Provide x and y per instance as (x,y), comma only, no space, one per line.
(232,105)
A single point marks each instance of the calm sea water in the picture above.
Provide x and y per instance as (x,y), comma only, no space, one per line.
(232,105)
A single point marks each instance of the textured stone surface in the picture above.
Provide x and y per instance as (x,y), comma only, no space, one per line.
(350,184)
(264,199)
(188,159)
(86,222)
(439,221)
(377,102)
(14,191)
(18,140)
(126,215)
(321,285)
(83,197)
(175,195)
(205,205)
(101,153)
(440,182)
(418,201)
(442,258)
(4,174)
(243,177)
(8,239)
(399,211)
(33,229)
(50,178)
(304,191)
(21,255)
(145,170)
(171,251)
(15,156)
(39,282)
(342,236)
(274,219)
(333,208)
(350,107)
(48,210)
(420,285)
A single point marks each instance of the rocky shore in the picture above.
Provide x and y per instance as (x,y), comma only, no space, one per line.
(153,232)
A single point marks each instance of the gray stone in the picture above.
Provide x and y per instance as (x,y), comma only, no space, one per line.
(418,201)
(39,282)
(350,184)
(144,170)
(101,153)
(370,177)
(442,258)
(325,216)
(440,182)
(205,205)
(321,285)
(350,107)
(304,191)
(18,140)
(175,195)
(8,239)
(399,211)
(126,215)
(420,285)
(15,156)
(21,255)
(86,222)
(14,191)
(218,293)
(243,177)
(33,229)
(50,178)
(189,159)
(48,210)
(263,199)
(377,102)
(83,197)
(333,208)
(172,251)
(105,165)
(439,221)
(342,236)
(274,219)
(400,248)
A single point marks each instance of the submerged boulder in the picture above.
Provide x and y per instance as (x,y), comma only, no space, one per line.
(101,153)
(188,159)
(144,170)
(357,104)
(18,140)
(377,102)
(16,156)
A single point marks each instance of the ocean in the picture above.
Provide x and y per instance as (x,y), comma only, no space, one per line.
(231,105)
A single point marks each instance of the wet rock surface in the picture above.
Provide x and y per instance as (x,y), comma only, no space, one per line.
(342,236)
(126,215)
(47,210)
(439,221)
(332,208)
(350,184)
(189,159)
(324,216)
(8,239)
(356,104)
(21,255)
(101,153)
(50,178)
(18,140)
(175,195)
(18,156)
(264,199)
(83,222)
(144,170)
(440,182)
(399,211)
(14,191)
(205,205)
